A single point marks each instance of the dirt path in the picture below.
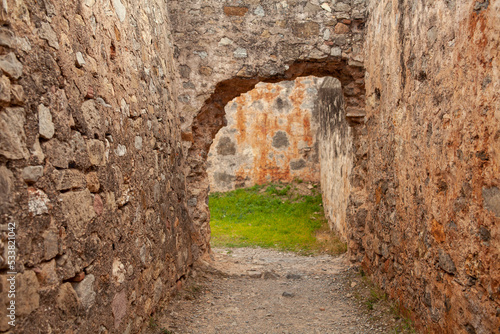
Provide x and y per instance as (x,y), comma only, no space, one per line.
(258,291)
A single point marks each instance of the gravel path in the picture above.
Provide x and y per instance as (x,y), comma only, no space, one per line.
(261,291)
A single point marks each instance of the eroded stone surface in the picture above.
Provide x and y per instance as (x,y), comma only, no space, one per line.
(270,136)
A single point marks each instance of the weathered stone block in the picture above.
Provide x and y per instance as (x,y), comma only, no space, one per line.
(51,243)
(17,94)
(46,273)
(58,153)
(4,89)
(97,152)
(6,178)
(119,307)
(12,136)
(47,33)
(93,182)
(67,299)
(69,179)
(31,174)
(78,209)
(27,297)
(306,29)
(85,291)
(445,262)
(11,66)
(91,118)
(45,125)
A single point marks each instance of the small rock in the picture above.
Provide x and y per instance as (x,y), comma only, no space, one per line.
(47,33)
(118,271)
(51,243)
(79,59)
(27,297)
(138,143)
(31,174)
(259,11)
(67,299)
(17,92)
(120,150)
(6,178)
(326,7)
(336,52)
(341,28)
(93,182)
(270,275)
(59,153)
(293,276)
(288,294)
(78,209)
(445,262)
(326,34)
(85,291)
(4,89)
(46,273)
(201,54)
(97,152)
(225,41)
(120,10)
(45,124)
(37,202)
(98,205)
(254,274)
(78,277)
(240,53)
(119,307)
(6,37)
(353,284)
(11,66)
(69,179)
(321,308)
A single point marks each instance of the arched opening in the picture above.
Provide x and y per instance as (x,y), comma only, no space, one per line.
(211,119)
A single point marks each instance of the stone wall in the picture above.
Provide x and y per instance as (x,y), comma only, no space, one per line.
(429,226)
(91,165)
(270,136)
(335,141)
(225,48)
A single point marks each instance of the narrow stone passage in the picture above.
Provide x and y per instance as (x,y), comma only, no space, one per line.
(249,290)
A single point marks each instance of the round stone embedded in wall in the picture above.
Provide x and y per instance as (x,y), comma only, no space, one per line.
(226,147)
(280,140)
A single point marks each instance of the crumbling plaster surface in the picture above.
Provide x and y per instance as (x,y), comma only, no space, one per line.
(270,136)
(428,228)
(91,165)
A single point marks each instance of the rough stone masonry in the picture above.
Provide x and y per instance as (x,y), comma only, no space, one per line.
(270,136)
(108,109)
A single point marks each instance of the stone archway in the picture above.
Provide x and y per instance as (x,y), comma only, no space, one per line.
(211,119)
(225,49)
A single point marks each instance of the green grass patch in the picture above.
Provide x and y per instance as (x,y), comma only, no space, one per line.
(272,216)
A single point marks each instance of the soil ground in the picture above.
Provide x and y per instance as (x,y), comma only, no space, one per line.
(254,290)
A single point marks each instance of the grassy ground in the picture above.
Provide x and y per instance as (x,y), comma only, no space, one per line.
(286,217)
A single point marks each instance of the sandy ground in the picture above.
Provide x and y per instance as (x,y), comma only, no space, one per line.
(259,291)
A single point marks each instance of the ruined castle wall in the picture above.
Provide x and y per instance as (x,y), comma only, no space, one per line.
(225,48)
(91,165)
(335,142)
(270,136)
(429,227)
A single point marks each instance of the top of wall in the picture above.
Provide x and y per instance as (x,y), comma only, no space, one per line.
(216,41)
